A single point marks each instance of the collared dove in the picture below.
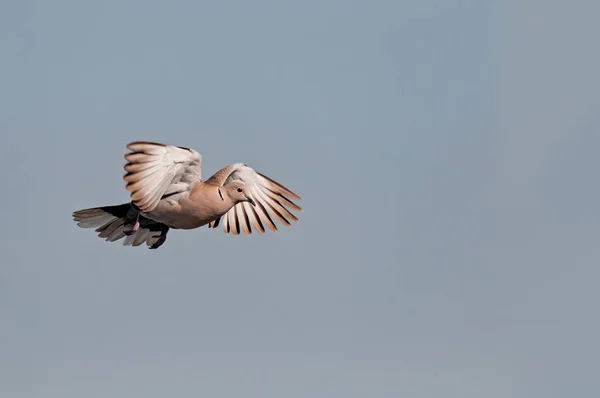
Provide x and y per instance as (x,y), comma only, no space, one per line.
(167,191)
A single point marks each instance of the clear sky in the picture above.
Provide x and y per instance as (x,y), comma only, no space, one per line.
(447,156)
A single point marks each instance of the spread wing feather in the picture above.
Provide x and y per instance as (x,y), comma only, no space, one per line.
(156,170)
(273,201)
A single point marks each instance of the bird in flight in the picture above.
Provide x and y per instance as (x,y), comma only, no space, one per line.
(166,191)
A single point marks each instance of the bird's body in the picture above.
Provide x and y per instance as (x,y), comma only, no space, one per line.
(167,191)
(185,211)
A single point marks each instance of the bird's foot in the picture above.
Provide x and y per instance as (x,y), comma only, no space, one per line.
(136,227)
(161,238)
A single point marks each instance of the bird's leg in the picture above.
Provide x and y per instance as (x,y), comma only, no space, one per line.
(161,238)
(136,226)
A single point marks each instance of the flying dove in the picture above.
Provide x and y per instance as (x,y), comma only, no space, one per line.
(167,191)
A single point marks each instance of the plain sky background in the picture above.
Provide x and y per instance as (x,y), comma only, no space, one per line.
(447,156)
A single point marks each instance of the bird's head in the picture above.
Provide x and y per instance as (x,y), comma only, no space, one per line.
(238,192)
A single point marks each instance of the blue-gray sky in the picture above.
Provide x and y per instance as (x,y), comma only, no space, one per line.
(446,152)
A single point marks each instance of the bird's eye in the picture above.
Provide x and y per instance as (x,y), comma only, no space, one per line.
(239,189)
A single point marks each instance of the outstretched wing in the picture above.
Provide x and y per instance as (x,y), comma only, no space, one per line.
(156,171)
(273,201)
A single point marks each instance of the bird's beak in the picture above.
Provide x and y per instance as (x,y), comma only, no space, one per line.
(252,202)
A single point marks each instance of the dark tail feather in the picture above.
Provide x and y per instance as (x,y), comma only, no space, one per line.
(111,223)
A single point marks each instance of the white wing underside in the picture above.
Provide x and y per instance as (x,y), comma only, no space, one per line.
(156,171)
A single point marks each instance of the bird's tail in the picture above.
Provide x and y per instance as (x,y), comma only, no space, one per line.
(114,222)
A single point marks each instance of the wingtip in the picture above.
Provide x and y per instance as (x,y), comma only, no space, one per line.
(285,190)
(137,143)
